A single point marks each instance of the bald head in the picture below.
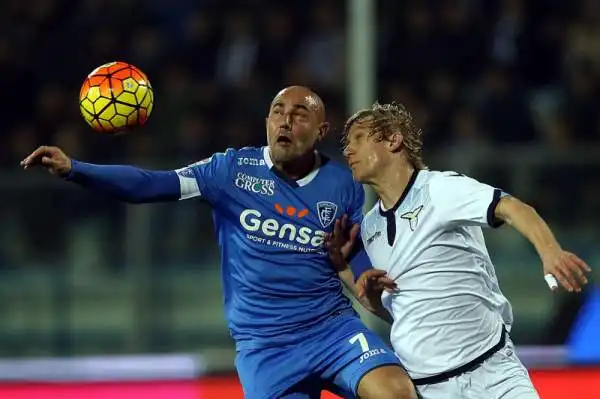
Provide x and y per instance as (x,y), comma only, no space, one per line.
(303,96)
(296,123)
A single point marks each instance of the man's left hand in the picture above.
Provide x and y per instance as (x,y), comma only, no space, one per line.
(340,245)
(567,268)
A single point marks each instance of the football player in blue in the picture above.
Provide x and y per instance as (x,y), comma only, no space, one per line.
(295,332)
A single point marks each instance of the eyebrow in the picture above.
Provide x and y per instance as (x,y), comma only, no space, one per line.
(295,106)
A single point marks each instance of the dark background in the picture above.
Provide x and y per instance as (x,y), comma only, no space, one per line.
(506,91)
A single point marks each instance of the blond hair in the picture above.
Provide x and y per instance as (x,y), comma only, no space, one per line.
(387,119)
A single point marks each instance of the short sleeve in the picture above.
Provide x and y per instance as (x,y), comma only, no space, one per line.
(461,200)
(207,178)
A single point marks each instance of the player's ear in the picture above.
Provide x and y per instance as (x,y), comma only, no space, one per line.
(395,141)
(323,129)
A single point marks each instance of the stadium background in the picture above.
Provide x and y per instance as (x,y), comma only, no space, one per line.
(92,290)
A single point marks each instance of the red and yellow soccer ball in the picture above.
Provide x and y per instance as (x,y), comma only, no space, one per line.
(116,96)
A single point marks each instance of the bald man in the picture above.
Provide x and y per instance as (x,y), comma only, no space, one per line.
(295,332)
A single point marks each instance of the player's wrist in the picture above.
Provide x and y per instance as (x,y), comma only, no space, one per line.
(70,171)
(548,250)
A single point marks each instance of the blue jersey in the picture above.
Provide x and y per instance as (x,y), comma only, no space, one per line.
(277,278)
(279,285)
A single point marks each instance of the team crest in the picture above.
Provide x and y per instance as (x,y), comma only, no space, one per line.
(326,211)
(412,217)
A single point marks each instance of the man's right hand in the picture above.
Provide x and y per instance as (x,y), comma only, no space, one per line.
(339,246)
(51,158)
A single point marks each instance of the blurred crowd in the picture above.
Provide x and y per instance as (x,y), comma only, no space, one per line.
(476,73)
(501,71)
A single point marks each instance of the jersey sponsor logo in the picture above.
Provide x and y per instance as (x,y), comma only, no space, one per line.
(254,184)
(412,217)
(326,211)
(371,353)
(250,161)
(287,235)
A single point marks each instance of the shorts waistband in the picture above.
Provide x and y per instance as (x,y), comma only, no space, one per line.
(472,365)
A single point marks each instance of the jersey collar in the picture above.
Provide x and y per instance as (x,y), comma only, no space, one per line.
(294,183)
(392,210)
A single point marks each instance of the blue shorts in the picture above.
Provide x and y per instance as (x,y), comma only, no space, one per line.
(332,357)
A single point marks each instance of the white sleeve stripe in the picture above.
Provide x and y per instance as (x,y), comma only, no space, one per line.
(188,187)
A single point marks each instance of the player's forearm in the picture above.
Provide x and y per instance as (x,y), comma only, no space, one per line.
(347,277)
(529,223)
(379,311)
(127,183)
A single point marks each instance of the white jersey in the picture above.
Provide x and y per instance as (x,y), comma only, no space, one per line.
(448,309)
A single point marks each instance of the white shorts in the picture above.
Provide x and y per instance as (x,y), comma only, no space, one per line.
(502,376)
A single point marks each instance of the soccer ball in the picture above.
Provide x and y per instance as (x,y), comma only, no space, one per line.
(116,96)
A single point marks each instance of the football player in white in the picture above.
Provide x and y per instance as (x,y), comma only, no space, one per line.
(451,323)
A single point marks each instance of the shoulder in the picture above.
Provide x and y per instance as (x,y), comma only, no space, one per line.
(370,219)
(235,157)
(249,151)
(373,212)
(448,188)
(340,170)
(339,177)
(246,155)
(434,179)
(338,173)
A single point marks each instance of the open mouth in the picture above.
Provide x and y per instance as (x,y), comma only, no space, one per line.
(284,140)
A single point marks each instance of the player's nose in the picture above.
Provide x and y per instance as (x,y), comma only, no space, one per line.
(288,120)
(347,152)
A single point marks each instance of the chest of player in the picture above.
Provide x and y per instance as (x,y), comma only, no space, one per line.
(274,213)
(394,240)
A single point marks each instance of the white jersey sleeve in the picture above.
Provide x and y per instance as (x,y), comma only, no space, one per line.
(461,200)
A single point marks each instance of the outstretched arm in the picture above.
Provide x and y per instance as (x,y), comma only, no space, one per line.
(462,200)
(125,183)
(565,266)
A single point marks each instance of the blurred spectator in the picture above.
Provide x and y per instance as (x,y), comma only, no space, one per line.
(237,53)
(485,79)
(503,108)
(321,54)
(476,74)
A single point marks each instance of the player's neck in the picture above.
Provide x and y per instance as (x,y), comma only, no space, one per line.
(298,168)
(392,182)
